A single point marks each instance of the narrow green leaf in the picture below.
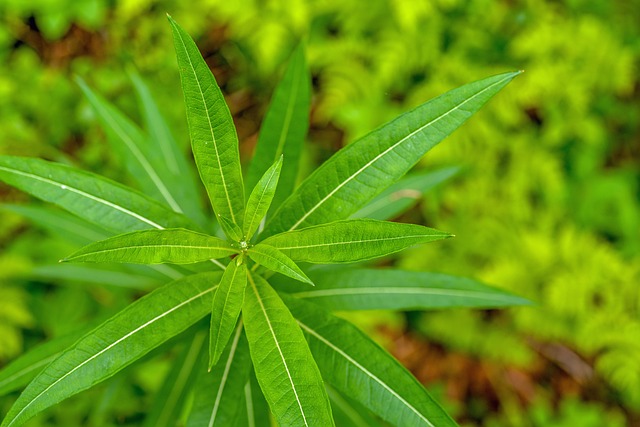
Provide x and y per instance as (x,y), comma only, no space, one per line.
(140,157)
(89,196)
(359,368)
(260,199)
(180,177)
(275,260)
(361,170)
(169,402)
(75,230)
(219,394)
(348,413)
(256,412)
(227,304)
(376,289)
(22,370)
(403,194)
(213,135)
(284,127)
(62,224)
(170,246)
(93,275)
(231,230)
(285,369)
(117,343)
(351,240)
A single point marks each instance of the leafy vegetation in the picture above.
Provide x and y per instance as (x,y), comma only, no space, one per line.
(548,179)
(310,226)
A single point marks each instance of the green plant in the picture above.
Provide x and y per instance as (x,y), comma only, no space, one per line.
(283,328)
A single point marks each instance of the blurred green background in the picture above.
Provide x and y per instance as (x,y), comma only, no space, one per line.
(546,203)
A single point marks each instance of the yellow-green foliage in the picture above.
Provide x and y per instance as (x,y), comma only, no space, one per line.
(15,314)
(548,205)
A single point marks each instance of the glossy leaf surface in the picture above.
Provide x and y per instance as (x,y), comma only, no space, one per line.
(213,135)
(284,366)
(274,260)
(171,246)
(219,394)
(227,304)
(231,230)
(361,170)
(260,199)
(356,366)
(129,335)
(351,240)
(377,289)
(89,196)
(403,194)
(22,370)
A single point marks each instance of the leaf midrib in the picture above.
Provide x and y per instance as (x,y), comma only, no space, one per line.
(262,193)
(143,161)
(266,255)
(206,109)
(180,382)
(399,290)
(375,159)
(124,248)
(84,194)
(363,369)
(225,375)
(275,339)
(109,347)
(224,306)
(30,368)
(355,242)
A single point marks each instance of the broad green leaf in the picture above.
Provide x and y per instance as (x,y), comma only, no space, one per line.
(359,368)
(89,196)
(260,199)
(351,240)
(170,246)
(273,259)
(377,289)
(286,371)
(213,135)
(180,178)
(403,194)
(227,304)
(219,394)
(169,402)
(117,343)
(231,230)
(348,413)
(361,170)
(141,158)
(94,275)
(22,370)
(70,227)
(284,127)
